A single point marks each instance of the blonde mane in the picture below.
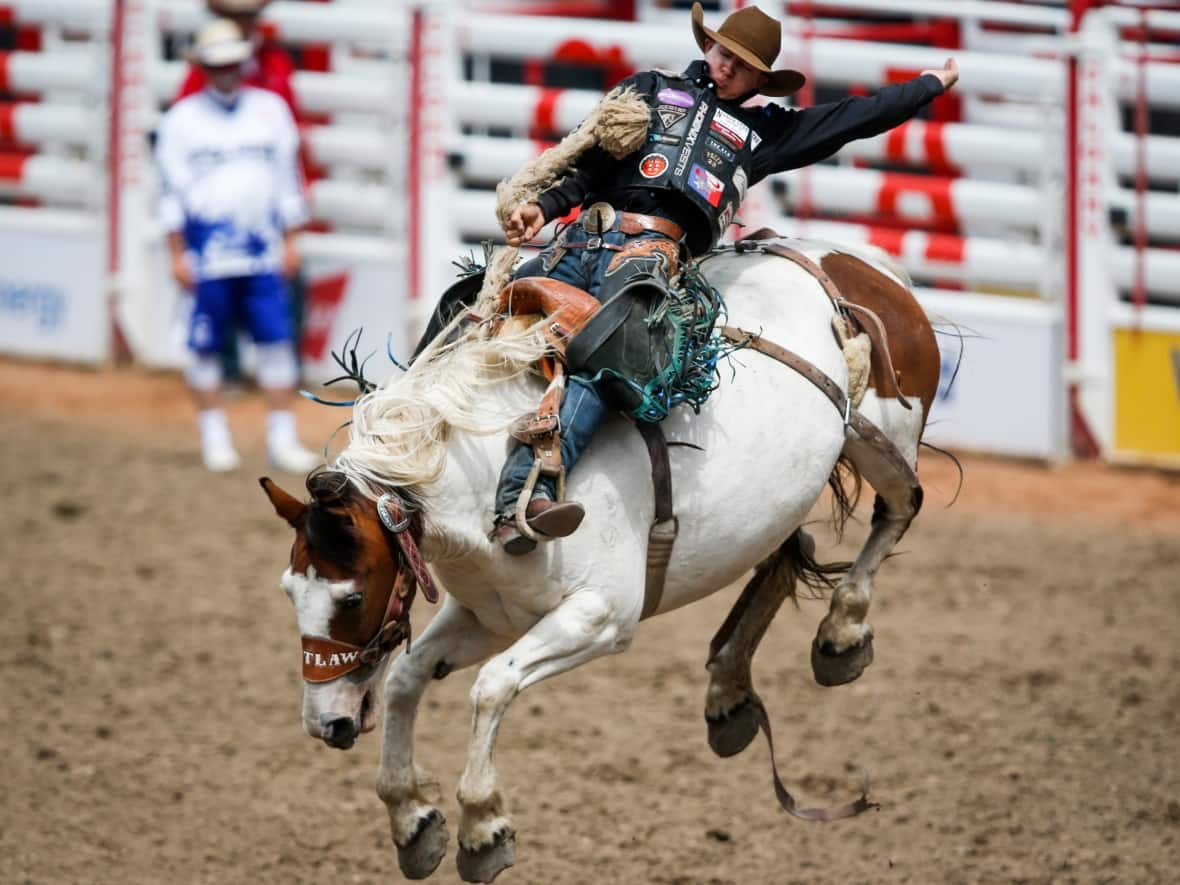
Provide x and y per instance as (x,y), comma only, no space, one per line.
(399,432)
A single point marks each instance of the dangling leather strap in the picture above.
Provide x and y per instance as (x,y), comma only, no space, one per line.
(664,528)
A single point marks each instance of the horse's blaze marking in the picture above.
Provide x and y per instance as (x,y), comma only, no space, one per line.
(315,599)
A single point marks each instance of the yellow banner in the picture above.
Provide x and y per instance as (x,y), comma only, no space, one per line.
(1147,392)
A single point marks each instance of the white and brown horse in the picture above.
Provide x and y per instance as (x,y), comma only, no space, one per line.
(419,473)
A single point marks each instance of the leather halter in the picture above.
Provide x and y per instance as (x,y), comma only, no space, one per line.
(327,659)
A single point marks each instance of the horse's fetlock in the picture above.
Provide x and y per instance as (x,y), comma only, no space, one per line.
(408,821)
(479,831)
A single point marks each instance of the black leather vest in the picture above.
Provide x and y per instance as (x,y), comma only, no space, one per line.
(694,147)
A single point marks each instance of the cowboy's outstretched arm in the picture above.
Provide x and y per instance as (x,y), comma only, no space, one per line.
(799,138)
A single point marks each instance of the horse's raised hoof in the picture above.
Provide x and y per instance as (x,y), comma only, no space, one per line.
(424,852)
(832,668)
(731,732)
(485,864)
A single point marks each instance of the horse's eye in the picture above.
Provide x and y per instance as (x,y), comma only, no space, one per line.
(352,600)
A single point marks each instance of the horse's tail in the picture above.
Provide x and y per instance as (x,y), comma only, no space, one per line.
(846,484)
(795,559)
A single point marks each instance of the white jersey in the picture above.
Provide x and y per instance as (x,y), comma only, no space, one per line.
(230,181)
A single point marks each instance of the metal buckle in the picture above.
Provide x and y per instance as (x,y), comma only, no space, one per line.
(597,218)
(387,520)
(594,243)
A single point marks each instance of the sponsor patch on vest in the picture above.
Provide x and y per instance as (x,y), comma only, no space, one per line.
(706,184)
(717,146)
(730,128)
(664,138)
(675,97)
(669,115)
(740,182)
(723,221)
(690,140)
(755,140)
(653,165)
(713,160)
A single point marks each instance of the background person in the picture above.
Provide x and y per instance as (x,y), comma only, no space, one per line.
(231,204)
(270,67)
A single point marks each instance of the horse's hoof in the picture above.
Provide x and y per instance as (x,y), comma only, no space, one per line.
(831,668)
(731,732)
(424,852)
(485,864)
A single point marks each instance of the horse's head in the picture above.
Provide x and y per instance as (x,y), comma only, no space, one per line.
(353,572)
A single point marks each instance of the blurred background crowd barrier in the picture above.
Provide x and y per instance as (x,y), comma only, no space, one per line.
(1036,206)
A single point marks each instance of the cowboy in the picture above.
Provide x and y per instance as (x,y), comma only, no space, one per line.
(673,199)
(231,204)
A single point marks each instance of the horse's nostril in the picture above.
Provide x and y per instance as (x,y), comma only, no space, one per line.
(339,731)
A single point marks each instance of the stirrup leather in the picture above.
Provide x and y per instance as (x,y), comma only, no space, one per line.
(542,431)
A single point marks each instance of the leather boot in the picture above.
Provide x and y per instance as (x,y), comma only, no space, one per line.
(547,518)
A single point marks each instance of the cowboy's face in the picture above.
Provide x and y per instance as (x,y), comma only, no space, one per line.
(226,79)
(734,78)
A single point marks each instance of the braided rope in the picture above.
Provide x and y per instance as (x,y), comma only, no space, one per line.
(618,123)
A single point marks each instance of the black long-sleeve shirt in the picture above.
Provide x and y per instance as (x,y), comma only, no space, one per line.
(790,139)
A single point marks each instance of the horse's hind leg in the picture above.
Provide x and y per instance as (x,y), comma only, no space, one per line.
(586,625)
(730,699)
(843,644)
(454,639)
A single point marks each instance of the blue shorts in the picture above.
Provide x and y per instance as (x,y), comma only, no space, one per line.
(258,303)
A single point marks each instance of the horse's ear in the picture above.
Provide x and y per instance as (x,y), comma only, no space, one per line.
(287,506)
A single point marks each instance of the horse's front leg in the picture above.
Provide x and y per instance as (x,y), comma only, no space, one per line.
(454,639)
(584,626)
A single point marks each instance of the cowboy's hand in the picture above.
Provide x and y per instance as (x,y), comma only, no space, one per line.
(291,257)
(949,73)
(182,270)
(524,223)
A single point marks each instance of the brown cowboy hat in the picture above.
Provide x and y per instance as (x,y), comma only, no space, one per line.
(755,38)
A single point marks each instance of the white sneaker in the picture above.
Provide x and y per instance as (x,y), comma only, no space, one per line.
(294,458)
(220,458)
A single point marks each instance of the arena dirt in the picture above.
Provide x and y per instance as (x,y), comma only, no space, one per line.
(1019,723)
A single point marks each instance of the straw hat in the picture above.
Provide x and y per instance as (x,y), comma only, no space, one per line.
(755,38)
(220,44)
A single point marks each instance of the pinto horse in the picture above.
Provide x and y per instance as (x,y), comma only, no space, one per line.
(416,482)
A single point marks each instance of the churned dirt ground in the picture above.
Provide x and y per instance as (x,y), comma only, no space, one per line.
(1020,722)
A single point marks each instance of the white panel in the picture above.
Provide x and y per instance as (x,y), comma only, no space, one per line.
(52,287)
(345,294)
(1008,395)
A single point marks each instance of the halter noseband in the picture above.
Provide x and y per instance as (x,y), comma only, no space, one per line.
(325,660)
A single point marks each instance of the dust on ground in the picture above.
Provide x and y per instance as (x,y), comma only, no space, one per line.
(1019,721)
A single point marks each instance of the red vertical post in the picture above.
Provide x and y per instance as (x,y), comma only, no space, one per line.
(1081,439)
(1139,291)
(120,349)
(414,160)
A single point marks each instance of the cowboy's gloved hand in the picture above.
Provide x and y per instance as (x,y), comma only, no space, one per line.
(949,74)
(524,223)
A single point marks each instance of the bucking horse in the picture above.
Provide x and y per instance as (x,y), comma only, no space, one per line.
(414,485)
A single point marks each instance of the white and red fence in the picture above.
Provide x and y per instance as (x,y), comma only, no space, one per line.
(53,149)
(1024,182)
(352,117)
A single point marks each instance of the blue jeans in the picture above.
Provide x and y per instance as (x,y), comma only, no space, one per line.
(586,403)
